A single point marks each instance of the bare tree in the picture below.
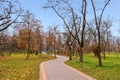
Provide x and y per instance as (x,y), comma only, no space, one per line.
(105,35)
(98,20)
(92,33)
(69,40)
(118,44)
(9,13)
(3,41)
(77,23)
(53,40)
(118,41)
(37,40)
(29,23)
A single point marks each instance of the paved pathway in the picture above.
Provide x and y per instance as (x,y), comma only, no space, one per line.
(57,70)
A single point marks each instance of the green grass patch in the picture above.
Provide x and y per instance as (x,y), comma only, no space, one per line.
(109,71)
(17,68)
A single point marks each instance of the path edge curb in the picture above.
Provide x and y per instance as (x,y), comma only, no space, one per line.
(43,74)
(79,72)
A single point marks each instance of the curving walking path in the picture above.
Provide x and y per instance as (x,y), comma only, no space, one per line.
(57,70)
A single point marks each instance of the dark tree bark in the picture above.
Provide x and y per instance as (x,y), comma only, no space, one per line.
(7,11)
(98,25)
(74,18)
(70,42)
(28,50)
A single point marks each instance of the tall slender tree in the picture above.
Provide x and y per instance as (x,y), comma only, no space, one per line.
(98,20)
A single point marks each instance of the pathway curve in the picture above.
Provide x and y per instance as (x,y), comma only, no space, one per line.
(57,70)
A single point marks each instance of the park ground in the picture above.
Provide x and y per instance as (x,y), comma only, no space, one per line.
(109,71)
(16,67)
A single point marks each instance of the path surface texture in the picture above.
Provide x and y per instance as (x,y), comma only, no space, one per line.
(57,70)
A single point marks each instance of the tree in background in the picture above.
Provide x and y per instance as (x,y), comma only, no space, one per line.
(69,40)
(29,33)
(3,41)
(50,40)
(22,40)
(54,40)
(91,35)
(118,42)
(105,35)
(37,40)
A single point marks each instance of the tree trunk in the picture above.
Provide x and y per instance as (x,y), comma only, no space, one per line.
(27,56)
(70,53)
(55,54)
(98,47)
(81,54)
(28,51)
(99,56)
(104,53)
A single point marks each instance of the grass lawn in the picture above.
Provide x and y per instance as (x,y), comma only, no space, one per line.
(109,71)
(17,68)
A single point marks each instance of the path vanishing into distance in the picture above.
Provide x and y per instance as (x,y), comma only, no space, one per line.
(57,70)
